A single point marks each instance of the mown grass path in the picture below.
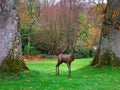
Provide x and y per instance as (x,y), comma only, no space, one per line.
(42,77)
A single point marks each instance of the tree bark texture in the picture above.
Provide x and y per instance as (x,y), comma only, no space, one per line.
(108,53)
(10,39)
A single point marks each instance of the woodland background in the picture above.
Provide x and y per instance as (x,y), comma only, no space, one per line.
(59,26)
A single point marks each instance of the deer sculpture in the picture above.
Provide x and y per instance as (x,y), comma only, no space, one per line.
(63,58)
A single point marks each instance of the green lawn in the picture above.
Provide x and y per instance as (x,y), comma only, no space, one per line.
(42,77)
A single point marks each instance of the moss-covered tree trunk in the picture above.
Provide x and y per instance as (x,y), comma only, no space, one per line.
(10,40)
(108,52)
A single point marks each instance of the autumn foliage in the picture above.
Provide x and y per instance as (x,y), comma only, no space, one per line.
(33,58)
(23,13)
(59,25)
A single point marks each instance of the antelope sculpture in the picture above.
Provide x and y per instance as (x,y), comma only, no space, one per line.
(66,59)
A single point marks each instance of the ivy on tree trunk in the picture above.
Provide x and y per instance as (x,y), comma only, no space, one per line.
(10,39)
(108,53)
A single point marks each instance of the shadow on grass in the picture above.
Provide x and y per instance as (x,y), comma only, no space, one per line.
(92,72)
(85,78)
(82,72)
(19,76)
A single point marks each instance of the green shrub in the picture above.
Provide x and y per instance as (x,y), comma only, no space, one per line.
(30,49)
(48,56)
(84,52)
(51,56)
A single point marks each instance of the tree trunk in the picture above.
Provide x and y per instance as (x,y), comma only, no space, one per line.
(10,39)
(108,53)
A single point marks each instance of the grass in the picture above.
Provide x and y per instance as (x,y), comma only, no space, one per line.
(42,77)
